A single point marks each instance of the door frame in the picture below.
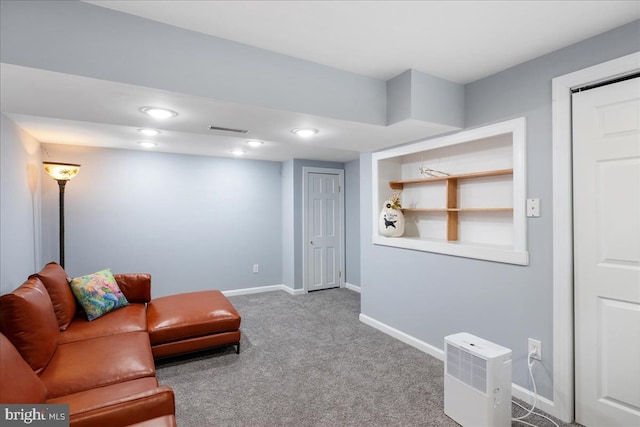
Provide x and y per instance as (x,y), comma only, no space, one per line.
(563,326)
(306,170)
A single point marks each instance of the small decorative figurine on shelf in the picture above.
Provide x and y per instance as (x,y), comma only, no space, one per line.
(391,220)
(428,172)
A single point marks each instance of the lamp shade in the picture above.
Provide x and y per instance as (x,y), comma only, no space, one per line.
(61,171)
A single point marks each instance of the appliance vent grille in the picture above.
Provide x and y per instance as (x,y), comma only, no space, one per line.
(468,368)
(228,129)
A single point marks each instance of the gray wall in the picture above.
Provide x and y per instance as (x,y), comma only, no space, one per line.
(288,226)
(352,221)
(429,296)
(193,222)
(20,168)
(420,96)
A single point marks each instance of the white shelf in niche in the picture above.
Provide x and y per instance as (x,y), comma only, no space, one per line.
(476,212)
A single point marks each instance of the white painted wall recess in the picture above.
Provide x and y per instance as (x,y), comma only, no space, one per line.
(473,204)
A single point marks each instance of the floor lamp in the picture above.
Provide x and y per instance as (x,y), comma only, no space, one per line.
(61,172)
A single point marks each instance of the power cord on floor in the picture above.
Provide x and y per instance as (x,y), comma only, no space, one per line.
(530,362)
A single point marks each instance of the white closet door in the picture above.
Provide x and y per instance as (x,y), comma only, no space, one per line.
(606,182)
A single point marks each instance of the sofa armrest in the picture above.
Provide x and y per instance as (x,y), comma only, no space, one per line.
(136,287)
(125,411)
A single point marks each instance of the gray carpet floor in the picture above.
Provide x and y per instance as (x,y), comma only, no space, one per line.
(308,361)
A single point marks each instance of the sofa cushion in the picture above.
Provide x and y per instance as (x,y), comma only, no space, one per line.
(18,382)
(98,293)
(54,278)
(135,286)
(27,318)
(119,404)
(192,314)
(132,318)
(98,362)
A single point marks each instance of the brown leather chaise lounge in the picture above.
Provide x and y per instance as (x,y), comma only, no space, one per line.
(103,369)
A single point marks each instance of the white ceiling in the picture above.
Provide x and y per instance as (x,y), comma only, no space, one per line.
(461,41)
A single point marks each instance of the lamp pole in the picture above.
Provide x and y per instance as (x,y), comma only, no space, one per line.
(61,172)
(61,185)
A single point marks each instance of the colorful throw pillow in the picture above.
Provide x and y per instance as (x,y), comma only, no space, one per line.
(98,293)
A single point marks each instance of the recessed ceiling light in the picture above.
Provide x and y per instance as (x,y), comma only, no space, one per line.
(158,113)
(237,152)
(149,132)
(147,144)
(305,133)
(254,143)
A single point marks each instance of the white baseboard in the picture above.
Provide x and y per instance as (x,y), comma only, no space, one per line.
(405,338)
(351,287)
(517,391)
(292,291)
(527,396)
(260,289)
(271,288)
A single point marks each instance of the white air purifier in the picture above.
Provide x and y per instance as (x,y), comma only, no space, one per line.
(477,381)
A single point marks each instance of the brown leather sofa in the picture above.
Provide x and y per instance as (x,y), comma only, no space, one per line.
(103,369)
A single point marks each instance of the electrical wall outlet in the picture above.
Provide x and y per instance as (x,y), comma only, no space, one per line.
(256,268)
(533,208)
(535,347)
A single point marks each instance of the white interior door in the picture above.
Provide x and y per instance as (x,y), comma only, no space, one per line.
(606,183)
(324,231)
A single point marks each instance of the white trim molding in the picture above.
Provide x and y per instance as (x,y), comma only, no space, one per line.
(527,396)
(563,328)
(260,289)
(401,336)
(354,288)
(293,291)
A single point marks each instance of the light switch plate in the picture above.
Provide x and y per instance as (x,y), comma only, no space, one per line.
(533,208)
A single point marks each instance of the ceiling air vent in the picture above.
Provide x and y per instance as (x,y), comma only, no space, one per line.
(228,129)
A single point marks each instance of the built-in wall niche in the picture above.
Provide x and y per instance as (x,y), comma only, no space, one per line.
(462,194)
